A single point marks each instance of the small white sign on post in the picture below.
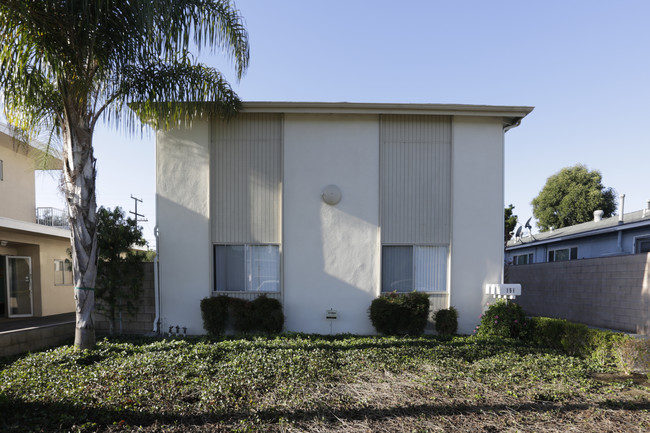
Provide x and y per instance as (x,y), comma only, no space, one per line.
(331,315)
(507,291)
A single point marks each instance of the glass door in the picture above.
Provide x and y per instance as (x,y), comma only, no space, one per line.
(19,286)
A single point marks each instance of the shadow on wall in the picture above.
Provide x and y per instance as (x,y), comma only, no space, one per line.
(184,265)
(330,262)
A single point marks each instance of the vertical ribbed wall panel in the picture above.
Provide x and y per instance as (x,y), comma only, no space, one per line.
(247,179)
(415,173)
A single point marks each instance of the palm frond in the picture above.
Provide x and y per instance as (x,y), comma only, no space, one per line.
(97,56)
(166,95)
(216,24)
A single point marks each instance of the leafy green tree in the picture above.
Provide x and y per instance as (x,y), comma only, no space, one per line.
(510,222)
(571,196)
(148,256)
(64,64)
(119,268)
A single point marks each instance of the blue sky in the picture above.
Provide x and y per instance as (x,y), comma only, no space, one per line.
(583,65)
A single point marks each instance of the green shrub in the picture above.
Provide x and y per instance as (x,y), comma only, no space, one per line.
(546,331)
(602,346)
(577,340)
(268,315)
(240,315)
(399,314)
(504,319)
(214,312)
(260,315)
(628,353)
(446,321)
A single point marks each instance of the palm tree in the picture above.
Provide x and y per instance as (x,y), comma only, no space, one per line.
(66,63)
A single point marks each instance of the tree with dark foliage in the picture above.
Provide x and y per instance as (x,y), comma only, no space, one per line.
(571,196)
(119,269)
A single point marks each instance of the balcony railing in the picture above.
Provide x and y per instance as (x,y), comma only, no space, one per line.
(49,216)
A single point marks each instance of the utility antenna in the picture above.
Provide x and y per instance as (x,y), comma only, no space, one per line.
(530,228)
(136,214)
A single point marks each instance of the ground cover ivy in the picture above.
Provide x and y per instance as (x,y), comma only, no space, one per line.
(152,383)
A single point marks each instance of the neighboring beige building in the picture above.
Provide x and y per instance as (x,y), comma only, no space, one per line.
(35,272)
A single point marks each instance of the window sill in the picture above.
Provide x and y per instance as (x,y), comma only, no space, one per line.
(419,291)
(242,292)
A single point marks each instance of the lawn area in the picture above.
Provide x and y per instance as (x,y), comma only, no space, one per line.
(313,383)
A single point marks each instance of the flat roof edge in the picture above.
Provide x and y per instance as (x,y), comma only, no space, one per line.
(587,233)
(25,226)
(386,108)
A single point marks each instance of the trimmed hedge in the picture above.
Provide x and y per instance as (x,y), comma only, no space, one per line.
(577,339)
(214,312)
(268,315)
(446,321)
(262,315)
(508,320)
(400,314)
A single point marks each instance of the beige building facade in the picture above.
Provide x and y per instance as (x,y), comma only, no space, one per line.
(35,270)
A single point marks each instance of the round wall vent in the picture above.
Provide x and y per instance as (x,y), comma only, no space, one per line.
(331,194)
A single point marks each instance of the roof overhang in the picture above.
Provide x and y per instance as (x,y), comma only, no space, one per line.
(33,228)
(511,115)
(567,237)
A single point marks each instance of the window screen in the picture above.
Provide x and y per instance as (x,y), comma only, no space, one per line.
(62,272)
(643,245)
(523,259)
(397,269)
(408,268)
(563,254)
(240,268)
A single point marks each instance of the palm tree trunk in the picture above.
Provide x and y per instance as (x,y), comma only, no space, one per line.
(79,175)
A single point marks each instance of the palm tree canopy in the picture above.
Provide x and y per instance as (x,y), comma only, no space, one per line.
(93,57)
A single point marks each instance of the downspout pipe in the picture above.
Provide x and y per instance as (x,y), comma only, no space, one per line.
(621,221)
(620,241)
(156,283)
(157,323)
(511,123)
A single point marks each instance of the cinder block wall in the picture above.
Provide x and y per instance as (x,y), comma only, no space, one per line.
(142,322)
(609,292)
(37,338)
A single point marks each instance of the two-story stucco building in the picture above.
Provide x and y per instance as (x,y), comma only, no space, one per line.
(324,206)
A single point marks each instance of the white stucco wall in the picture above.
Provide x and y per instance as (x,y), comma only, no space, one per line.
(182,209)
(477,215)
(331,253)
